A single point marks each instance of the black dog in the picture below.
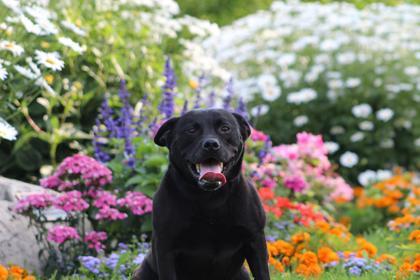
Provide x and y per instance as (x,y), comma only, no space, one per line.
(207,219)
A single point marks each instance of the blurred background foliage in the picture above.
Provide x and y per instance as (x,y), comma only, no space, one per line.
(234,9)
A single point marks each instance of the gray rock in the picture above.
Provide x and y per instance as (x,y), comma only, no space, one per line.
(11,190)
(18,244)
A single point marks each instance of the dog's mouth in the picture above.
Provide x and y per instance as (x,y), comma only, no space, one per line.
(210,174)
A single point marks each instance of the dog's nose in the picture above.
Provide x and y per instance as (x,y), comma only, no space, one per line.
(211,144)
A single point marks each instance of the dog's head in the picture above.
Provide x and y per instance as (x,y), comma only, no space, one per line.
(206,146)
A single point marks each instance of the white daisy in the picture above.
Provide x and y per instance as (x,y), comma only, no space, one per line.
(300,120)
(303,96)
(361,110)
(366,125)
(367,177)
(332,147)
(12,47)
(385,114)
(71,44)
(357,136)
(26,72)
(50,60)
(259,110)
(270,90)
(349,159)
(3,73)
(383,174)
(7,131)
(73,28)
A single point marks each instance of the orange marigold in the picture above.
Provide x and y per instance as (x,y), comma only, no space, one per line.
(277,264)
(366,246)
(14,269)
(284,248)
(308,265)
(322,225)
(326,255)
(308,258)
(286,261)
(4,273)
(386,258)
(300,237)
(416,266)
(415,236)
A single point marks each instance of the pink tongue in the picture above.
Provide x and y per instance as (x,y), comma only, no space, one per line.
(212,173)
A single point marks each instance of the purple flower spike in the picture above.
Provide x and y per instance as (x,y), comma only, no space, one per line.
(197,103)
(241,109)
(212,99)
(229,96)
(167,104)
(126,124)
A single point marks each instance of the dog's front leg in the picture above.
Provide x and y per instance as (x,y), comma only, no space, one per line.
(257,257)
(165,259)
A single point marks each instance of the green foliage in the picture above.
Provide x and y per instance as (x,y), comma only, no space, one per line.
(54,109)
(364,3)
(312,73)
(221,11)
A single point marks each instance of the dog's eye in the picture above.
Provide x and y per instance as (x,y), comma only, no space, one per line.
(224,128)
(192,130)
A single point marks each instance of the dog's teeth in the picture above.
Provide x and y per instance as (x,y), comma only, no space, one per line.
(197,167)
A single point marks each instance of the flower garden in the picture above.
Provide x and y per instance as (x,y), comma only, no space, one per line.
(332,91)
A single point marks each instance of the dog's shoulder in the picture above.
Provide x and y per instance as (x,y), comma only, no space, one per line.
(248,207)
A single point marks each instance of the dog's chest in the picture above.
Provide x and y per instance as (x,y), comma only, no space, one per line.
(210,236)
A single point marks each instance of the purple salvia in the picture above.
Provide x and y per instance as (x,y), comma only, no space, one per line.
(241,108)
(228,99)
(98,144)
(198,91)
(126,123)
(264,151)
(107,116)
(142,115)
(167,106)
(212,99)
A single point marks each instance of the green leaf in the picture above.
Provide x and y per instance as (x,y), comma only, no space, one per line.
(155,161)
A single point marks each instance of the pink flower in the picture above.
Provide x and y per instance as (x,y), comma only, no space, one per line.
(340,189)
(38,201)
(108,213)
(71,202)
(78,170)
(268,183)
(94,240)
(257,135)
(137,202)
(104,198)
(52,182)
(60,234)
(295,183)
(290,152)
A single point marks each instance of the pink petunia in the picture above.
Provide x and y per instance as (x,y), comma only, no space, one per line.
(109,213)
(78,170)
(60,234)
(104,198)
(137,202)
(71,202)
(34,201)
(94,240)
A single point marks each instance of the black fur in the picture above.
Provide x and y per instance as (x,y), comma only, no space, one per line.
(197,233)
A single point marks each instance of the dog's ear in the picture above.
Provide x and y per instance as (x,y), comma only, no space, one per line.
(163,135)
(244,126)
